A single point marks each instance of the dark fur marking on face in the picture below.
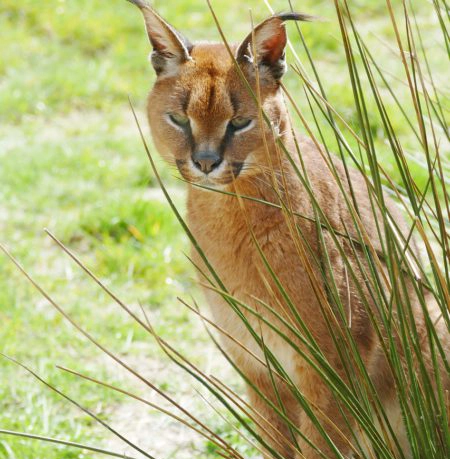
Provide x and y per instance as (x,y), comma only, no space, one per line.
(190,138)
(237,167)
(226,140)
(234,103)
(212,95)
(212,71)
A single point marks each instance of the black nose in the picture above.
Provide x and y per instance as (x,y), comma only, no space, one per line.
(206,161)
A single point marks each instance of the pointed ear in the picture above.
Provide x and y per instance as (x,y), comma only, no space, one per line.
(270,43)
(170,48)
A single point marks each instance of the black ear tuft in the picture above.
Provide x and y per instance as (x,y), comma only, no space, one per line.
(270,43)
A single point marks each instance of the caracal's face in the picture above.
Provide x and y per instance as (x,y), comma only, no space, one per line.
(205,120)
(202,113)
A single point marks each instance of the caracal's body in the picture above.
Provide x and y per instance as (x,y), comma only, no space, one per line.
(204,119)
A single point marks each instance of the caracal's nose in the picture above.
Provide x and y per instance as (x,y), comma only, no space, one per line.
(206,161)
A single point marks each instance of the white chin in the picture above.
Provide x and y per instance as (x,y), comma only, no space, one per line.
(207,182)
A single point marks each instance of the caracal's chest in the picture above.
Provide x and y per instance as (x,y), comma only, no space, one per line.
(230,238)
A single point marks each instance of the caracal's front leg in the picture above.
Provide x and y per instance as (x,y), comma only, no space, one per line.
(328,413)
(273,429)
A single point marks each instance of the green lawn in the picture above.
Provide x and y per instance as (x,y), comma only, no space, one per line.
(71,160)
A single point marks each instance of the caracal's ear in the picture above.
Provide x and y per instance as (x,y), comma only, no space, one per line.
(170,48)
(269,46)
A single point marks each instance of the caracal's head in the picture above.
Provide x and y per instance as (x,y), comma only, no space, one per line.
(202,114)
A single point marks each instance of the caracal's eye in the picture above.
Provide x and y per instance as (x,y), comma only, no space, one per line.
(179,119)
(240,122)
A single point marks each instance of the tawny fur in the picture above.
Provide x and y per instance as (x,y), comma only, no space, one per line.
(208,90)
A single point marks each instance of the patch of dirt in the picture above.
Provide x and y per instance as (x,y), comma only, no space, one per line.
(155,432)
(161,436)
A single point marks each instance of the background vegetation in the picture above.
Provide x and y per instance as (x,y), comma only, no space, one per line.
(71,160)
